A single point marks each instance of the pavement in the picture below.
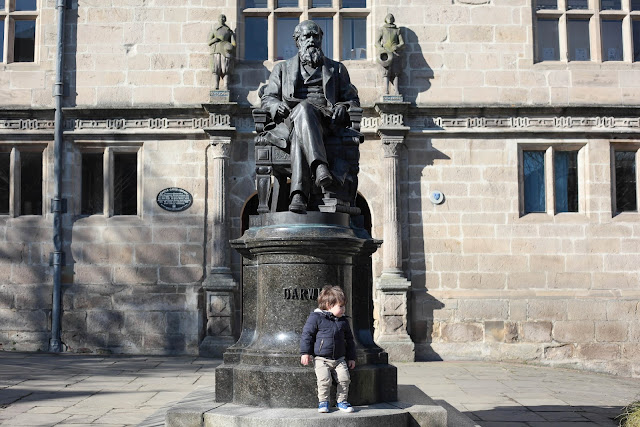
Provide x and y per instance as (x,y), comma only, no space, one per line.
(39,389)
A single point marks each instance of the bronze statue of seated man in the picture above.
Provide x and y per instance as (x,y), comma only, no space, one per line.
(308,97)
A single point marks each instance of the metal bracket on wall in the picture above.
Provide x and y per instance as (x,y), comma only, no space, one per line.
(56,258)
(58,205)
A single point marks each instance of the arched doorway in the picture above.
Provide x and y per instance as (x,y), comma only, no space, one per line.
(250,208)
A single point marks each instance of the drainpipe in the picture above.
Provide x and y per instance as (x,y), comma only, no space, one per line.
(56,258)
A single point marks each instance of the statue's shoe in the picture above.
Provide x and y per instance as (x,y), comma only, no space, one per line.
(323,176)
(298,204)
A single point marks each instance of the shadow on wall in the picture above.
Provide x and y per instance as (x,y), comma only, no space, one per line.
(417,72)
(126,295)
(248,79)
(25,291)
(420,157)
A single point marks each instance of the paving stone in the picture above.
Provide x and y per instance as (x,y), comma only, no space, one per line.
(503,424)
(506,414)
(80,419)
(563,416)
(125,416)
(29,419)
(46,409)
(90,387)
(570,424)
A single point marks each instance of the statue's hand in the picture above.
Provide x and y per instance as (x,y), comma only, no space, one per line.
(340,115)
(282,112)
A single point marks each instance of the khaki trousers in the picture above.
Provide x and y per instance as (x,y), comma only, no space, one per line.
(324,368)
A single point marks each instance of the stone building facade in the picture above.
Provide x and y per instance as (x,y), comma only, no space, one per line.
(484,255)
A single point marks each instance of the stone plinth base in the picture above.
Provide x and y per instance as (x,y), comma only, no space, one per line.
(219,287)
(394,338)
(398,350)
(413,408)
(266,386)
(215,346)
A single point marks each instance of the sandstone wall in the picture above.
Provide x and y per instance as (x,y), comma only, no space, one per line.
(489,282)
(136,52)
(131,284)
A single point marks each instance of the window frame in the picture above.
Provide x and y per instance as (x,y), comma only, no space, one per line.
(15,175)
(303,12)
(595,16)
(108,176)
(9,15)
(624,146)
(549,149)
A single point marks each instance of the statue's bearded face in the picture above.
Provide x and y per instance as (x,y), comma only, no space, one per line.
(309,46)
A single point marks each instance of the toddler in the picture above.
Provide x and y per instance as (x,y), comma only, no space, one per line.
(327,338)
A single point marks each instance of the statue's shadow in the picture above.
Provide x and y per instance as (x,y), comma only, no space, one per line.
(248,81)
(417,74)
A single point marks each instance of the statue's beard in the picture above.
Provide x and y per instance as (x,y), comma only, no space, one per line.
(311,55)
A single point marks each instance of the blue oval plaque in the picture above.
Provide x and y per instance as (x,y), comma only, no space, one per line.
(174,199)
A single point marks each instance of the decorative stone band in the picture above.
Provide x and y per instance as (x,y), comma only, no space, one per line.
(508,124)
(243,123)
(147,124)
(26,124)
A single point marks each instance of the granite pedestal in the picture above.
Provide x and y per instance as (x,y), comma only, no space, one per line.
(289,257)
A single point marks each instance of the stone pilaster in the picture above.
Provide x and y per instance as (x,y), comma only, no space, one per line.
(392,286)
(219,285)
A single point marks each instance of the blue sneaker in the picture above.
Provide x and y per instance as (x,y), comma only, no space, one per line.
(345,406)
(323,407)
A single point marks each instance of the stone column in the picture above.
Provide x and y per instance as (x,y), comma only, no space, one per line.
(392,285)
(219,285)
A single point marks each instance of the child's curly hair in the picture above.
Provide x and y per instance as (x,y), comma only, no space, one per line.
(330,296)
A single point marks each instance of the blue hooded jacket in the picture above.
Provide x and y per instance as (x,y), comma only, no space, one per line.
(328,336)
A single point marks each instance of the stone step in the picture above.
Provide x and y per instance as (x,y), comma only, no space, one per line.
(246,416)
(414,408)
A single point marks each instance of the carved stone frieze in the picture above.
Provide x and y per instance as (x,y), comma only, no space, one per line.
(369,123)
(391,119)
(162,123)
(560,122)
(244,123)
(27,124)
(220,120)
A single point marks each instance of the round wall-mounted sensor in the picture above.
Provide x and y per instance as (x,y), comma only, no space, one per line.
(436,197)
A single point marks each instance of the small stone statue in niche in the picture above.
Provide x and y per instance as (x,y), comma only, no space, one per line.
(389,45)
(222,42)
